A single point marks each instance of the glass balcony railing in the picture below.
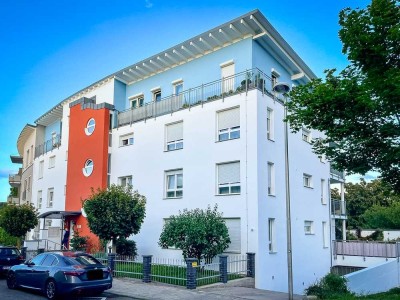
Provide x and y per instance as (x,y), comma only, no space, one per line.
(47,146)
(219,89)
(338,208)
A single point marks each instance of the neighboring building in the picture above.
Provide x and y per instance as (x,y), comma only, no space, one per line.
(195,125)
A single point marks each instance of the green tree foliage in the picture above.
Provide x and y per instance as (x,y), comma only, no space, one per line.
(358,109)
(198,233)
(126,247)
(6,239)
(17,220)
(78,242)
(331,286)
(116,212)
(383,217)
(362,196)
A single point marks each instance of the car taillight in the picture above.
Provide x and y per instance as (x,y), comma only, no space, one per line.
(73,273)
(21,257)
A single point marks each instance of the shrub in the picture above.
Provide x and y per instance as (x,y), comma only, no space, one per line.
(126,247)
(329,286)
(78,243)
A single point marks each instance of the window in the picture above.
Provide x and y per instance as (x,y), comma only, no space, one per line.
(137,101)
(52,162)
(50,197)
(156,95)
(323,191)
(274,77)
(308,227)
(88,168)
(229,124)
(227,74)
(174,184)
(271,178)
(90,126)
(27,158)
(270,124)
(48,260)
(174,136)
(271,235)
(234,234)
(125,181)
(325,235)
(306,135)
(39,200)
(126,140)
(31,153)
(178,87)
(48,223)
(41,166)
(228,178)
(54,139)
(307,180)
(28,188)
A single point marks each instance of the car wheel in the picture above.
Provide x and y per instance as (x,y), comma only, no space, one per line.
(11,280)
(51,289)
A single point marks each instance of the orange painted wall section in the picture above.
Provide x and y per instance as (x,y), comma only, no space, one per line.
(82,147)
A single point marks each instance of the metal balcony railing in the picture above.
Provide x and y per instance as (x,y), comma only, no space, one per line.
(47,146)
(219,89)
(14,179)
(366,248)
(339,175)
(338,208)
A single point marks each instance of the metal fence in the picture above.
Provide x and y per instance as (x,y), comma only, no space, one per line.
(189,273)
(366,248)
(219,89)
(344,270)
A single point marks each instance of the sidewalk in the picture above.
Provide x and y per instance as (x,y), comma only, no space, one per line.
(158,291)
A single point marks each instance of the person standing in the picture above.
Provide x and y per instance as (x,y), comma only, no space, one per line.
(65,239)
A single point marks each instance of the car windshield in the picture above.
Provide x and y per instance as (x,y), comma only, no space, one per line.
(84,260)
(8,251)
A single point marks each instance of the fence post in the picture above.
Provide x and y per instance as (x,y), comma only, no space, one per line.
(147,268)
(191,276)
(397,251)
(251,266)
(223,268)
(23,252)
(111,261)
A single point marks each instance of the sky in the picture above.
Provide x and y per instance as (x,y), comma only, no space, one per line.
(50,49)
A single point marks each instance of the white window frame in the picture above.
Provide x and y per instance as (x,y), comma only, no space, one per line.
(41,169)
(126,140)
(308,227)
(231,186)
(306,135)
(39,199)
(156,92)
(138,99)
(229,133)
(271,178)
(176,191)
(325,235)
(125,181)
(270,124)
(54,141)
(52,161)
(174,144)
(271,235)
(307,180)
(88,167)
(50,197)
(323,192)
(175,85)
(90,126)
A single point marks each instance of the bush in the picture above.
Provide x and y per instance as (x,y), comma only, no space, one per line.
(78,243)
(126,247)
(329,286)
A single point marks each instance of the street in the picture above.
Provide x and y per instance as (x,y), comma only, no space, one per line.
(25,294)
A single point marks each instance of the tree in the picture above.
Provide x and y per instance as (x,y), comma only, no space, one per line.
(114,213)
(198,233)
(362,196)
(358,109)
(383,217)
(18,220)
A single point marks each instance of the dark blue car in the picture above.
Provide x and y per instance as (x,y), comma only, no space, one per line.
(60,273)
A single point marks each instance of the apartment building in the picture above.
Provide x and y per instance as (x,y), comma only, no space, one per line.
(195,125)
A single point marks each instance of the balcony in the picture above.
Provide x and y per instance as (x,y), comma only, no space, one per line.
(337,176)
(12,200)
(338,209)
(14,180)
(219,89)
(53,143)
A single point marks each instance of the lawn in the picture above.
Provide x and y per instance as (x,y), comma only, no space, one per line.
(393,294)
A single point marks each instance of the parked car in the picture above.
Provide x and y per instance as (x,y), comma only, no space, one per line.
(9,256)
(61,273)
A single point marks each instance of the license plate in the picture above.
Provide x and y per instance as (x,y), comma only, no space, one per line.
(95,274)
(6,267)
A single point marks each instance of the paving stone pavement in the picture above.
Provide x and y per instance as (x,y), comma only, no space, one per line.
(136,289)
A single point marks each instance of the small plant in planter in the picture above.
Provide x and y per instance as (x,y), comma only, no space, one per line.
(79,243)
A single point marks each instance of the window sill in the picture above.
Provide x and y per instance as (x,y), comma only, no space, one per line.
(308,233)
(228,140)
(273,252)
(236,194)
(308,187)
(271,140)
(322,203)
(171,198)
(272,195)
(173,150)
(123,146)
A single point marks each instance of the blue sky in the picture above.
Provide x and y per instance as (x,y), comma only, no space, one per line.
(51,49)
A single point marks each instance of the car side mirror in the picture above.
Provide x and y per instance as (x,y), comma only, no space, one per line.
(29,263)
